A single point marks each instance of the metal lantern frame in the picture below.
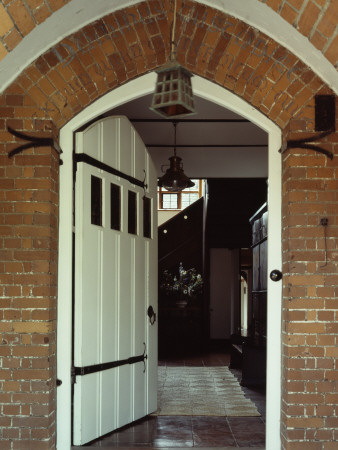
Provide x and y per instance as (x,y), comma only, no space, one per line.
(174,179)
(173,96)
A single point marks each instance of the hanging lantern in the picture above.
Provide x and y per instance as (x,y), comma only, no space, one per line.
(173,96)
(175,179)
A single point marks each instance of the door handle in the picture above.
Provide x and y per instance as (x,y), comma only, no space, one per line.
(152,315)
(276,275)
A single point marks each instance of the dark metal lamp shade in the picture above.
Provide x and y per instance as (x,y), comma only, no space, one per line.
(174,179)
(173,96)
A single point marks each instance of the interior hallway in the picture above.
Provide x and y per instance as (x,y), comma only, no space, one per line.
(193,431)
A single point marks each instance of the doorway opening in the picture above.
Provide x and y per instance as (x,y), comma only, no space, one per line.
(140,87)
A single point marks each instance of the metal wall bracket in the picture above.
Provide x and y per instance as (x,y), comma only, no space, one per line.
(306,143)
(33,141)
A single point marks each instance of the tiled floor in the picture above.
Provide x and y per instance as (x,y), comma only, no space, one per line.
(191,431)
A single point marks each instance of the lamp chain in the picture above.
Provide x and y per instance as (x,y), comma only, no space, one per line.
(175,125)
(173,31)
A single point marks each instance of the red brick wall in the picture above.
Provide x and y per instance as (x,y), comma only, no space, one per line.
(29,215)
(309,356)
(63,82)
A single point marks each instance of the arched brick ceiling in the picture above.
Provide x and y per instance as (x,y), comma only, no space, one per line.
(314,19)
(87,64)
(76,14)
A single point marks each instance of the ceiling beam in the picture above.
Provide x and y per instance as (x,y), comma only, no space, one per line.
(190,120)
(206,145)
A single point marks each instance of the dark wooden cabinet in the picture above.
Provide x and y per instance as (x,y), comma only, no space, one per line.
(259,223)
(249,353)
(180,330)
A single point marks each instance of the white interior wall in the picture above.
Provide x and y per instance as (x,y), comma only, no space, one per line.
(224,292)
(164,216)
(218,163)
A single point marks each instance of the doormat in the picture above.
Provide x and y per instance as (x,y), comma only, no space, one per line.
(201,391)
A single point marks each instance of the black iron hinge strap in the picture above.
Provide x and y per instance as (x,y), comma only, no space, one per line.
(33,141)
(109,365)
(306,143)
(83,157)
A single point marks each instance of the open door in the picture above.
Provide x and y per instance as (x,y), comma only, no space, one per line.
(115,280)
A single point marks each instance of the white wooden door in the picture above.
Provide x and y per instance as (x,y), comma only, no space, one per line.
(115,273)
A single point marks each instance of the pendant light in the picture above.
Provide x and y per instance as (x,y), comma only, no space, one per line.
(174,179)
(173,96)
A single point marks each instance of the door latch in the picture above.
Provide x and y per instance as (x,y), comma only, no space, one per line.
(152,315)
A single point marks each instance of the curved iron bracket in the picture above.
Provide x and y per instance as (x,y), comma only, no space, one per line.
(306,143)
(33,141)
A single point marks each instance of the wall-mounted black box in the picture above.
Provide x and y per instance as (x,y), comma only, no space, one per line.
(325,113)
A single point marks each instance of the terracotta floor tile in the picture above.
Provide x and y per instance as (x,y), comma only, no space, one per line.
(212,432)
(167,432)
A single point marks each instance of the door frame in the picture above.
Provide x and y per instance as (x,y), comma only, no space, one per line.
(123,94)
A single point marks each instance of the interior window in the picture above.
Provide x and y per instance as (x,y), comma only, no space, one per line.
(96,201)
(132,212)
(115,207)
(179,200)
(147,217)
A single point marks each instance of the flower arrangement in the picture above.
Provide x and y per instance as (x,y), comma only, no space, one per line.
(188,283)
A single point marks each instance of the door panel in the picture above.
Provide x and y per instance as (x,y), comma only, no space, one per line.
(87,418)
(108,413)
(115,282)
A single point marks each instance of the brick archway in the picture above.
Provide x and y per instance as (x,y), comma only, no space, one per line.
(316,22)
(128,43)
(85,66)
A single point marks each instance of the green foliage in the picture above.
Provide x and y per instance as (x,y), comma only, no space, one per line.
(188,282)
